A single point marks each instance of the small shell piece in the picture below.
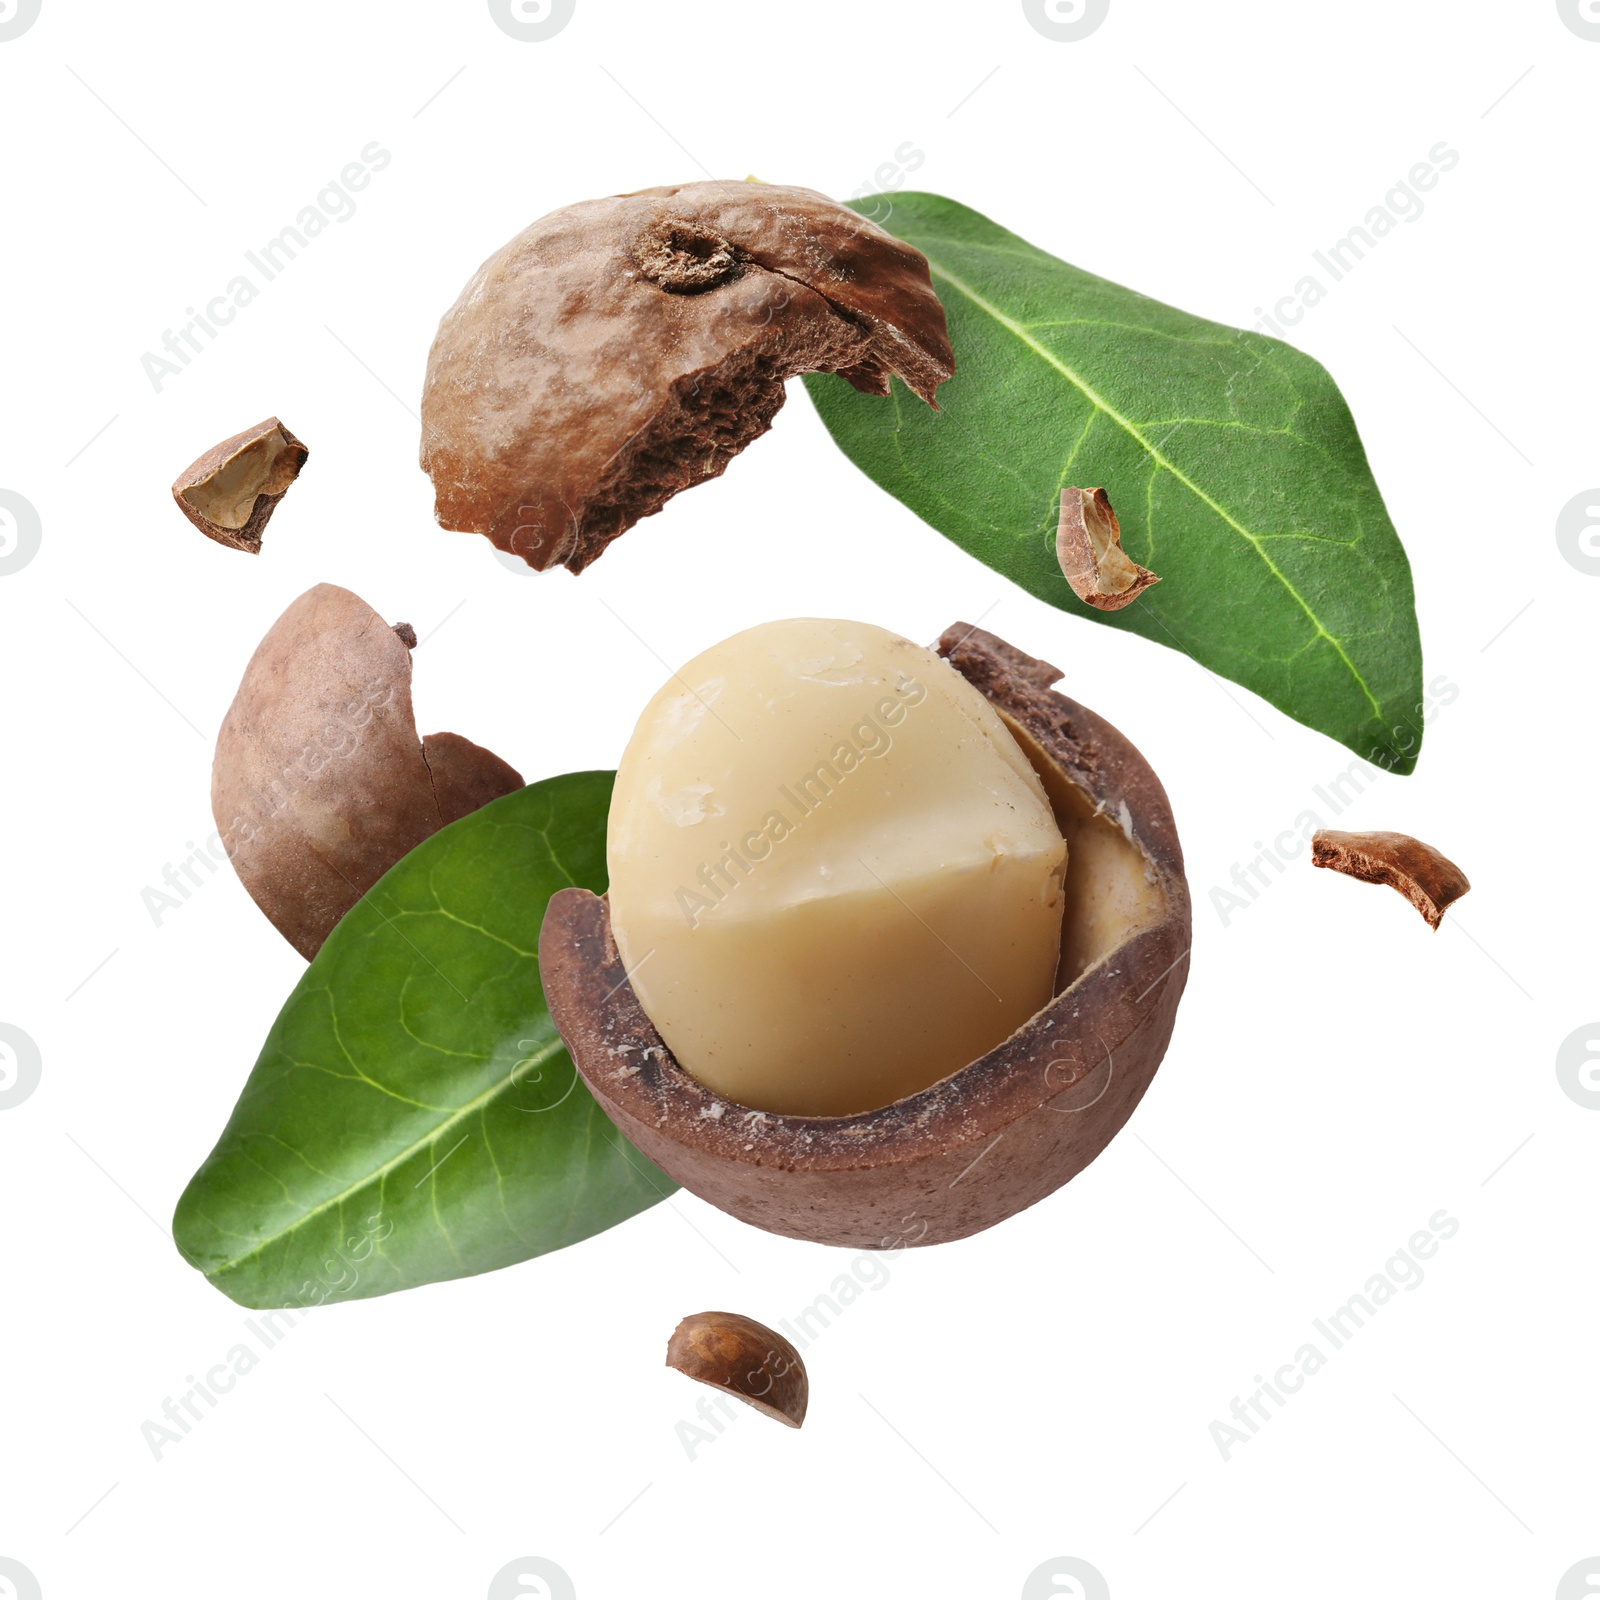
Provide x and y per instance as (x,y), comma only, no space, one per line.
(1430,881)
(621,350)
(1089,548)
(230,492)
(744,1357)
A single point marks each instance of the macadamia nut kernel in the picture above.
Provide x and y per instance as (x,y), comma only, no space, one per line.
(836,878)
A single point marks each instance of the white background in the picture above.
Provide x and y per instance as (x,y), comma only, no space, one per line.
(1338,1075)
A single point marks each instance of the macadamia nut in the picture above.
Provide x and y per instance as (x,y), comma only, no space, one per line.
(835,877)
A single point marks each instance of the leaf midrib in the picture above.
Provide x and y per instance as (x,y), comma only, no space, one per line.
(378,1174)
(1020,332)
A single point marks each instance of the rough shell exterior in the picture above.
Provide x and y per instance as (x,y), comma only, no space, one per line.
(1107,581)
(320,783)
(621,350)
(966,1153)
(1430,881)
(247,538)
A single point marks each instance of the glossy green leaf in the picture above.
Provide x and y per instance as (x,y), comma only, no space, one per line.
(1231,459)
(413,1115)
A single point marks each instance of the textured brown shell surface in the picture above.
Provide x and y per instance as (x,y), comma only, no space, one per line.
(569,393)
(1430,880)
(1075,551)
(465,775)
(247,538)
(846,258)
(967,1152)
(728,1350)
(310,828)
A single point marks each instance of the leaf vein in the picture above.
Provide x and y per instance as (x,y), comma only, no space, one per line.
(381,1173)
(1133,430)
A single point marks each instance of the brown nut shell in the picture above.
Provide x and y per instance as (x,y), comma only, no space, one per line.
(320,782)
(621,350)
(1430,881)
(1089,549)
(465,775)
(231,491)
(742,1356)
(1004,1131)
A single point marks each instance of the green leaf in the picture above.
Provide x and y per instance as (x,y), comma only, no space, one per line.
(413,1115)
(1231,459)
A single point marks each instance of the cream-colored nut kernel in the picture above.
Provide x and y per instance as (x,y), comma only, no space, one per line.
(835,877)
